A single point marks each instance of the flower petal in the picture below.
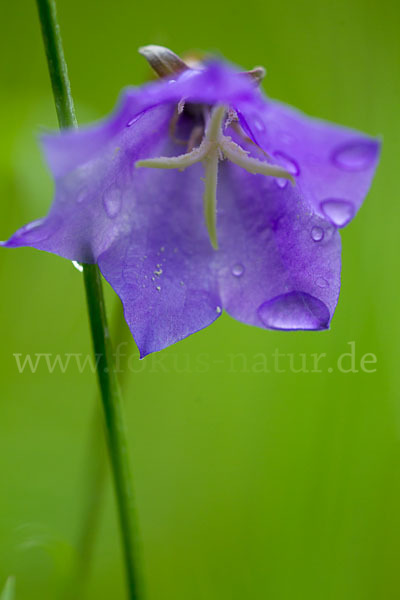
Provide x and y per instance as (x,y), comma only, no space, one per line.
(98,202)
(216,83)
(333,165)
(279,264)
(144,227)
(161,270)
(279,261)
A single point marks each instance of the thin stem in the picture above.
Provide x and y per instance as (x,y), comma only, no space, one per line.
(95,476)
(56,63)
(113,413)
(111,399)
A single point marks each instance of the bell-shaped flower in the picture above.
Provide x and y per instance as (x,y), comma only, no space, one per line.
(200,194)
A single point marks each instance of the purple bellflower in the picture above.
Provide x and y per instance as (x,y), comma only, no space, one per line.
(200,194)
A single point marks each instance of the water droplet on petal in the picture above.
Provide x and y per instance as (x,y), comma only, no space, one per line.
(287,163)
(258,124)
(317,234)
(158,288)
(33,232)
(238,270)
(112,202)
(218,310)
(134,120)
(281,183)
(355,156)
(30,226)
(321,282)
(77,266)
(294,310)
(339,212)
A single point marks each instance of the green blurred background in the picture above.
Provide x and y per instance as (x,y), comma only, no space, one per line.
(249,484)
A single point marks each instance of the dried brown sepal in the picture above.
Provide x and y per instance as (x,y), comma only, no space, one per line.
(195,58)
(163,61)
(257,74)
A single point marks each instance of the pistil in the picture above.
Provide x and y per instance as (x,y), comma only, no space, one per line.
(214,147)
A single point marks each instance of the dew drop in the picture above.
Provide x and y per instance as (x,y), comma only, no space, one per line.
(355,156)
(317,234)
(259,125)
(158,288)
(31,226)
(339,212)
(294,310)
(112,202)
(77,266)
(287,163)
(33,232)
(238,270)
(218,310)
(321,282)
(134,120)
(281,183)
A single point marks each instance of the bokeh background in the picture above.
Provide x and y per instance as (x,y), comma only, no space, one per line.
(249,484)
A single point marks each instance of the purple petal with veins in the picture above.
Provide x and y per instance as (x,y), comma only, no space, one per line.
(278,261)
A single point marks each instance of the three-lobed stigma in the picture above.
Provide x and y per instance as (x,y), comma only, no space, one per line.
(214,147)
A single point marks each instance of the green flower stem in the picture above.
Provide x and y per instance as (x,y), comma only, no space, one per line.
(95,477)
(111,399)
(114,419)
(56,63)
